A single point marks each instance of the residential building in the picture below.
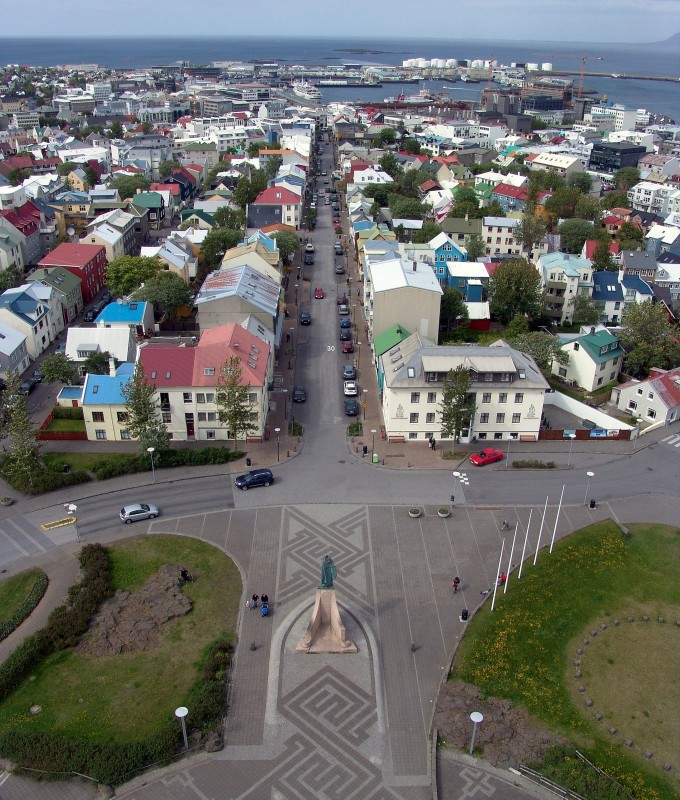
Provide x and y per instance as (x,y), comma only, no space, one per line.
(155,206)
(119,342)
(497,233)
(135,314)
(564,165)
(13,352)
(639,262)
(110,238)
(615,291)
(11,242)
(507,386)
(273,206)
(67,287)
(126,224)
(657,198)
(86,261)
(564,276)
(595,359)
(655,400)
(34,311)
(103,403)
(668,276)
(28,222)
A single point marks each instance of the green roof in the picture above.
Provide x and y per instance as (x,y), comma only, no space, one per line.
(148,200)
(196,146)
(595,342)
(390,338)
(196,212)
(61,279)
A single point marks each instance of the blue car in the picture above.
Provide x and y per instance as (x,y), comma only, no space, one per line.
(345,322)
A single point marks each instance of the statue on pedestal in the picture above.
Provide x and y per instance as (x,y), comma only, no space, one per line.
(328,573)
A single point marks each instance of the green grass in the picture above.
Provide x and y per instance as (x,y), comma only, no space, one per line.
(83,461)
(127,697)
(66,426)
(524,650)
(15,591)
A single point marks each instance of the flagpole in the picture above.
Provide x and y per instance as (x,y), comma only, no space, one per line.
(498,572)
(559,508)
(526,536)
(540,531)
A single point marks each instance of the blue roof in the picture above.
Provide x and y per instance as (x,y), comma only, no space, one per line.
(635,282)
(131,313)
(606,286)
(102,390)
(266,241)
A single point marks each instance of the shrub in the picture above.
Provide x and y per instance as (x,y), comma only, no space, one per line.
(533,464)
(47,481)
(26,608)
(355,428)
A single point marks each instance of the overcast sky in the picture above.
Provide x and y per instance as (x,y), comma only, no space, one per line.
(551,20)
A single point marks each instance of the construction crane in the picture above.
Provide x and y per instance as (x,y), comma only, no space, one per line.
(584,59)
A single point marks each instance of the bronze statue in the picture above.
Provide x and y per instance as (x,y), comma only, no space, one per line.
(328,573)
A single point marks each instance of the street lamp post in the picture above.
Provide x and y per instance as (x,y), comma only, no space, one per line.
(358,353)
(373,431)
(507,455)
(285,403)
(365,402)
(150,451)
(476,718)
(572,436)
(181,713)
(277,431)
(456,475)
(585,498)
(72,508)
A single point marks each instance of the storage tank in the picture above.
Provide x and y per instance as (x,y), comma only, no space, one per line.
(423,63)
(477,64)
(547,66)
(407,64)
(438,63)
(532,67)
(451,63)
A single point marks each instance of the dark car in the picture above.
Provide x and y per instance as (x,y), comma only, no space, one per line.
(305,317)
(299,394)
(349,372)
(351,408)
(36,377)
(345,322)
(106,297)
(89,315)
(26,387)
(341,300)
(309,258)
(338,248)
(345,335)
(256,477)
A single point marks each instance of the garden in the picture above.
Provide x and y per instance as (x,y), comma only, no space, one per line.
(64,709)
(587,643)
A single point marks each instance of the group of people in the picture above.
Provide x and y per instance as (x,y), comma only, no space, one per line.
(264,599)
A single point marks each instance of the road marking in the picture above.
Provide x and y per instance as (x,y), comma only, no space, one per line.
(3,776)
(673,440)
(58,523)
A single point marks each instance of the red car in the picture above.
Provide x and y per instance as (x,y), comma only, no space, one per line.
(318,293)
(487,456)
(347,347)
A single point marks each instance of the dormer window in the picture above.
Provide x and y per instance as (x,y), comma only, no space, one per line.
(208,371)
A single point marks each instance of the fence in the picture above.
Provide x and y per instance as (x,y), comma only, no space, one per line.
(51,436)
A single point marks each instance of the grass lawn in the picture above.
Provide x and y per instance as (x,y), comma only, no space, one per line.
(15,591)
(524,651)
(82,461)
(126,697)
(66,426)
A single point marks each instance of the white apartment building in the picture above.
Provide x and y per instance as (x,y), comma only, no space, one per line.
(100,90)
(624,117)
(656,198)
(497,233)
(564,277)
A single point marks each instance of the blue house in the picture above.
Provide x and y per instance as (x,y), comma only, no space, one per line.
(135,314)
(471,278)
(445,252)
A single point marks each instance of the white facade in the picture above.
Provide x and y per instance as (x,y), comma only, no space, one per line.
(623,116)
(656,198)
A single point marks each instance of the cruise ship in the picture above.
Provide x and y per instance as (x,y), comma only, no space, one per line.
(306,90)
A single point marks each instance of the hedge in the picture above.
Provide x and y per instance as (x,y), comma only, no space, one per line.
(533,464)
(35,596)
(47,481)
(105,469)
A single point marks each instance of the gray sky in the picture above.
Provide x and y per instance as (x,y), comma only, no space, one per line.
(552,20)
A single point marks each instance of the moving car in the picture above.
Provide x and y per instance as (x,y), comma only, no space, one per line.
(488,456)
(347,347)
(351,408)
(349,372)
(89,315)
(132,513)
(345,322)
(305,317)
(309,247)
(345,335)
(339,269)
(256,477)
(343,310)
(318,293)
(299,394)
(350,389)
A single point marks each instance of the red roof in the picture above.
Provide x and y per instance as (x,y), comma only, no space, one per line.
(71,255)
(168,365)
(25,225)
(19,162)
(612,220)
(47,162)
(667,385)
(429,185)
(507,190)
(276,196)
(591,244)
(173,188)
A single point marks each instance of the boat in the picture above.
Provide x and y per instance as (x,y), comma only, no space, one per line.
(306,90)
(467,79)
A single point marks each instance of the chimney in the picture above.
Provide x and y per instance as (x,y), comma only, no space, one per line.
(112,366)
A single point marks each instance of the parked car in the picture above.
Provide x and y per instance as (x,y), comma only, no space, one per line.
(349,389)
(345,322)
(106,297)
(256,477)
(309,258)
(343,310)
(347,347)
(339,269)
(305,317)
(487,456)
(26,387)
(345,335)
(351,408)
(61,348)
(309,247)
(89,315)
(299,394)
(342,300)
(36,377)
(132,513)
(349,372)
(338,249)
(318,293)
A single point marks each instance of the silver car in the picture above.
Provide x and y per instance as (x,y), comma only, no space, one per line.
(136,511)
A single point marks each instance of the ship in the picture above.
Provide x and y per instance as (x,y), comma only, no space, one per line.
(306,90)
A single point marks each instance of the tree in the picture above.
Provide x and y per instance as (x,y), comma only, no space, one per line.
(515,289)
(10,277)
(166,168)
(387,136)
(127,273)
(544,348)
(529,233)
(427,232)
(58,368)
(247,189)
(626,178)
(475,246)
(116,130)
(407,207)
(234,407)
(464,194)
(23,462)
(585,311)
(588,208)
(167,290)
(411,146)
(66,167)
(574,233)
(233,218)
(389,163)
(458,405)
(452,309)
(128,186)
(614,200)
(216,244)
(254,148)
(494,209)
(17,176)
(288,244)
(147,127)
(602,258)
(649,338)
(517,326)
(581,181)
(97,363)
(562,203)
(143,412)
(629,237)
(91,175)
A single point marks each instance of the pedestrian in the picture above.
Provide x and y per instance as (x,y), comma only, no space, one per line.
(456,584)
(265,599)
(434,443)
(253,601)
(504,525)
(501,579)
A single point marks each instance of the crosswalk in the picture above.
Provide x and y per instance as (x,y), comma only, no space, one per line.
(31,535)
(673,441)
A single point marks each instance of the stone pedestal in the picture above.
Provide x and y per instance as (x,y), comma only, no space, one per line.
(325,632)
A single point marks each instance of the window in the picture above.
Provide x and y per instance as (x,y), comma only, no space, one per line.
(519,397)
(209,397)
(498,436)
(651,413)
(432,397)
(252,397)
(488,377)
(166,416)
(202,416)
(429,418)
(121,416)
(125,434)
(210,434)
(100,434)
(415,397)
(639,391)
(209,371)
(500,418)
(486,397)
(577,346)
(200,397)
(503,397)
(413,419)
(650,395)
(97,416)
(632,405)
(413,435)
(562,372)
(599,381)
(483,418)
(516,418)
(612,375)
(615,361)
(187,397)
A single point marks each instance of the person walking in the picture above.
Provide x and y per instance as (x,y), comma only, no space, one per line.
(264,599)
(456,584)
(253,601)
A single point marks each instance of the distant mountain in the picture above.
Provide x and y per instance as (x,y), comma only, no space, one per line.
(673,41)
